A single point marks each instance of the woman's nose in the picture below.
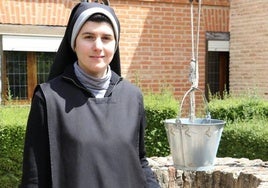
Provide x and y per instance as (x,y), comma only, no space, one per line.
(98,44)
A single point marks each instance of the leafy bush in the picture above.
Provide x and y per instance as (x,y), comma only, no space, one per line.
(233,109)
(245,133)
(12,141)
(245,139)
(12,130)
(158,108)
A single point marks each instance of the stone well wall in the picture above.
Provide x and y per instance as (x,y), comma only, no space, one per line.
(227,173)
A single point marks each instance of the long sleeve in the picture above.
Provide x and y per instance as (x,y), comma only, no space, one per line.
(36,163)
(150,177)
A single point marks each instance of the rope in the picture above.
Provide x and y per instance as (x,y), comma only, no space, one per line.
(194,76)
(194,72)
(198,28)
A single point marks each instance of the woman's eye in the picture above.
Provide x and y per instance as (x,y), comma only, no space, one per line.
(89,37)
(106,38)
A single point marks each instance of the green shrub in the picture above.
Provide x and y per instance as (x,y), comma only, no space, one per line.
(12,141)
(233,109)
(12,130)
(158,108)
(246,131)
(245,139)
(245,134)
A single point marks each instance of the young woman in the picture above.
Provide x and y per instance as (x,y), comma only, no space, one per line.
(86,124)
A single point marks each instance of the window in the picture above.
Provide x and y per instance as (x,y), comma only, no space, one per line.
(217,63)
(44,61)
(218,72)
(16,71)
(23,71)
(213,72)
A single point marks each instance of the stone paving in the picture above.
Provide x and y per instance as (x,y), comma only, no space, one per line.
(227,173)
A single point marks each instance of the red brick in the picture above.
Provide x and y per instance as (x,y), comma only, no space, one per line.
(155,34)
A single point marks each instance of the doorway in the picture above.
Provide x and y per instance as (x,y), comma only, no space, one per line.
(218,73)
(217,64)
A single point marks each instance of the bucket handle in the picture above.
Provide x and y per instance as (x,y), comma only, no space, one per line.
(192,89)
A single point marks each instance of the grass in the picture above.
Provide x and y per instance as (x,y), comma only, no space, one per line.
(13,115)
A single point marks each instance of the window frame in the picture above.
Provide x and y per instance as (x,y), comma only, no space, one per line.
(32,79)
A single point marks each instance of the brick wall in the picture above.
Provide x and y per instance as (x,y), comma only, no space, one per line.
(36,12)
(249,47)
(155,40)
(156,44)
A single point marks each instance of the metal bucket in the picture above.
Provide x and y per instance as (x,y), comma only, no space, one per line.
(194,145)
(194,142)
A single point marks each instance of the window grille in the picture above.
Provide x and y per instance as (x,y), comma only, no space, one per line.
(16,67)
(44,61)
(213,72)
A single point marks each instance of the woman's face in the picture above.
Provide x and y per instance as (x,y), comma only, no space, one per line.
(95,47)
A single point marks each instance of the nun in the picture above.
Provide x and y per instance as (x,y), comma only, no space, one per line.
(86,124)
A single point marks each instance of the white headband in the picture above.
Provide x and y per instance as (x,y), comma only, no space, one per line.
(85,15)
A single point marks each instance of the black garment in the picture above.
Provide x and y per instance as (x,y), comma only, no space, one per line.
(78,141)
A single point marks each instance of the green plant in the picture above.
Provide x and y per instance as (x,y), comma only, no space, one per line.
(245,139)
(234,109)
(9,93)
(245,133)
(12,141)
(12,130)
(158,108)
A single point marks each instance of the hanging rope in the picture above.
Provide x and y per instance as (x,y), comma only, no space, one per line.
(194,72)
(194,76)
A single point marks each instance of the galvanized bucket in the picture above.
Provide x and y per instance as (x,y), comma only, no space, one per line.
(194,143)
